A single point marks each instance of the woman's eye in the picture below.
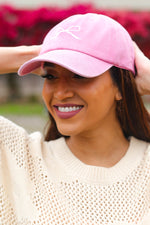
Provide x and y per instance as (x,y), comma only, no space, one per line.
(78,76)
(49,76)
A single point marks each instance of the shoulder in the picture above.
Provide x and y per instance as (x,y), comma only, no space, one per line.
(142,155)
(141,147)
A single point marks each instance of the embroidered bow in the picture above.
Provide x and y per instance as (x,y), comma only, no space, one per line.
(68,31)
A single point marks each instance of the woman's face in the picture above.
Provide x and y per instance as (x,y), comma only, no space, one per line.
(79,105)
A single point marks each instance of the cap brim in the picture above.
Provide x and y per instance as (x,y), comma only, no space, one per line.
(77,62)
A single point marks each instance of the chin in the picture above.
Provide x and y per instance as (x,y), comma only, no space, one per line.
(67,131)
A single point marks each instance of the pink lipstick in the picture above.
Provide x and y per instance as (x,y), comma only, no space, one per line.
(66,111)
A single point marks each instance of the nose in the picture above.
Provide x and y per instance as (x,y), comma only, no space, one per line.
(63,90)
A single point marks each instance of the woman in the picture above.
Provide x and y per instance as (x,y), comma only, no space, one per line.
(98,171)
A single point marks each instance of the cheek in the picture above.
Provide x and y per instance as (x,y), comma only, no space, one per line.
(103,99)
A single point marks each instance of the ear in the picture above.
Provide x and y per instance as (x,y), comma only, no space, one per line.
(118,96)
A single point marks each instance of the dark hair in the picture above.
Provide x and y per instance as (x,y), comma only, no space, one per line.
(130,110)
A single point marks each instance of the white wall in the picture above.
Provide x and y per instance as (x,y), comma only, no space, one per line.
(126,4)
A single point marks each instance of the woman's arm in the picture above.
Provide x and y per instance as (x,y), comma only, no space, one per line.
(143,71)
(11,58)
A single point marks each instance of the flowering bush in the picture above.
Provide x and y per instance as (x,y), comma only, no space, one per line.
(25,27)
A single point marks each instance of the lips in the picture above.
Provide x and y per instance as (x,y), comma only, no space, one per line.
(66,111)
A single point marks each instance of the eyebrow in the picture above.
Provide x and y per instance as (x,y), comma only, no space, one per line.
(48,64)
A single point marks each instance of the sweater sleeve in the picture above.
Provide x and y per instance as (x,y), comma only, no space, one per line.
(16,144)
(13,151)
(18,150)
(13,141)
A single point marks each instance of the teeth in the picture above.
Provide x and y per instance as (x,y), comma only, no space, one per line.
(69,109)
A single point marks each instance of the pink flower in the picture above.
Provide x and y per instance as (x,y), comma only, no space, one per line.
(29,26)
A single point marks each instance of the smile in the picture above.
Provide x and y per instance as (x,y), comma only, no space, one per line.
(67,111)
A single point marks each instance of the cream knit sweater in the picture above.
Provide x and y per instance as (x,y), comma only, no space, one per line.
(44,183)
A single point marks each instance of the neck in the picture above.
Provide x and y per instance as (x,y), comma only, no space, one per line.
(104,148)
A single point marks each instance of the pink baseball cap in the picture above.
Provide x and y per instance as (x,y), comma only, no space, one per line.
(87,44)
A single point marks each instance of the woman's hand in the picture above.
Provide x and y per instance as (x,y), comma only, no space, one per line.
(143,71)
(11,58)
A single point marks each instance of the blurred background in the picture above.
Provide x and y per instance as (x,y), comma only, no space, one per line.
(26,22)
(109,4)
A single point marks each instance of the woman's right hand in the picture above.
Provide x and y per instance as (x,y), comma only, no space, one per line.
(11,58)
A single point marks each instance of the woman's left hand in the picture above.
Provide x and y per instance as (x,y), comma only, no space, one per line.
(143,71)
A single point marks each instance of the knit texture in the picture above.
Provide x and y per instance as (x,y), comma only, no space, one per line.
(44,183)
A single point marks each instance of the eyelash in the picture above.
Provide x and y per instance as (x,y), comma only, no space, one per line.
(49,76)
(78,76)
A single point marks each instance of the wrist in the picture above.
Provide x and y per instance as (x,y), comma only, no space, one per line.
(13,57)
